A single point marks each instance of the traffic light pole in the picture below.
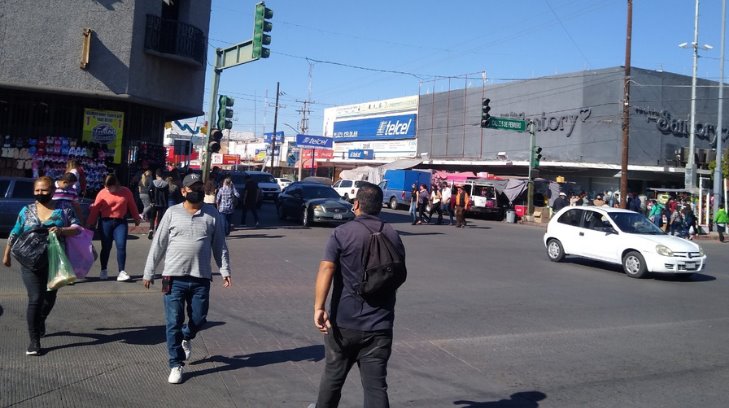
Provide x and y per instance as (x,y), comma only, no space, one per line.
(212,121)
(530,184)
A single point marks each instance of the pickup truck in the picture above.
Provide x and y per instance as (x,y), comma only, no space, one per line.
(397,185)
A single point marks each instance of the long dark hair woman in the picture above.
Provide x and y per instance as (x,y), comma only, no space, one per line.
(41,217)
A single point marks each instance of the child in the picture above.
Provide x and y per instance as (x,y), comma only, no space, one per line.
(66,194)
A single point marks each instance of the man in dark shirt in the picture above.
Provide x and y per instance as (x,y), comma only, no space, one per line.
(561,202)
(354,330)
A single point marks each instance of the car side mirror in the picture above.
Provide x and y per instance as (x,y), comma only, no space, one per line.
(610,231)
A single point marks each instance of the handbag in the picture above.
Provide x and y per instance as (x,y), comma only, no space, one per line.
(30,248)
(60,271)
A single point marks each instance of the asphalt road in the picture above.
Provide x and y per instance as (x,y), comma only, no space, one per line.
(484,320)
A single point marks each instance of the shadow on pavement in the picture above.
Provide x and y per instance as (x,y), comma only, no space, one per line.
(527,399)
(590,263)
(144,335)
(1,310)
(307,353)
(406,233)
(229,237)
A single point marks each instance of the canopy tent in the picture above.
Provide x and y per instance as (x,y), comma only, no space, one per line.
(359,173)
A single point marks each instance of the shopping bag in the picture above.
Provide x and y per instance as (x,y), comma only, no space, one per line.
(60,271)
(80,252)
(29,249)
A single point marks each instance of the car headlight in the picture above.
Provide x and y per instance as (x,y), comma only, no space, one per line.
(663,250)
(319,208)
(701,251)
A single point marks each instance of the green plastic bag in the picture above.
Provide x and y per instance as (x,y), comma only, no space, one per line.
(60,271)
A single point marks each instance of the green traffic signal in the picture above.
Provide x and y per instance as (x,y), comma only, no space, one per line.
(260,27)
(536,156)
(225,112)
(485,115)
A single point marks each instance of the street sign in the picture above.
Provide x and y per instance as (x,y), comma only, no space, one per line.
(507,124)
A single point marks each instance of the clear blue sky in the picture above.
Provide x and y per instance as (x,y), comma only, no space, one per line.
(360,51)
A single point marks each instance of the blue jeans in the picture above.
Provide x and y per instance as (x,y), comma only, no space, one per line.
(228,222)
(191,295)
(113,230)
(414,211)
(40,300)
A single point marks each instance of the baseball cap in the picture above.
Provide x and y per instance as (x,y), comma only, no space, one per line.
(598,197)
(191,179)
(562,193)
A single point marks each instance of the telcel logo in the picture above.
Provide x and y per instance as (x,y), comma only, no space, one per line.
(314,141)
(387,128)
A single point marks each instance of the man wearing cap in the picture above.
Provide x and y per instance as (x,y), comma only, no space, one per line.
(188,234)
(561,202)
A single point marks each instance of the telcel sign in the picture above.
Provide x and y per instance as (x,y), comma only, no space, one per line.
(381,128)
(313,142)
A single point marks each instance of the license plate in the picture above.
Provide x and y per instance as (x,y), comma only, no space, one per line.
(690,266)
(337,216)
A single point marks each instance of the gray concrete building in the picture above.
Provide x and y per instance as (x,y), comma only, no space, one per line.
(578,123)
(65,61)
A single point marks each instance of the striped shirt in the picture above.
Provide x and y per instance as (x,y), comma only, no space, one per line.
(186,242)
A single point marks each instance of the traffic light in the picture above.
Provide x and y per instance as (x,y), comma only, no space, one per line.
(225,112)
(536,156)
(261,26)
(485,115)
(215,137)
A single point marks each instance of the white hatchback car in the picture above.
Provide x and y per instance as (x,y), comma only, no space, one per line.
(620,237)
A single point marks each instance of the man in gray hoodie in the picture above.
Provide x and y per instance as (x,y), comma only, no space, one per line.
(159,194)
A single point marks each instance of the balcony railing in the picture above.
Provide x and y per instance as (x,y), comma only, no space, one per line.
(174,38)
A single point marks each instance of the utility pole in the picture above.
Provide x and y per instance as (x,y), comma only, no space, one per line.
(626,111)
(275,122)
(212,114)
(530,184)
(690,176)
(718,174)
(304,127)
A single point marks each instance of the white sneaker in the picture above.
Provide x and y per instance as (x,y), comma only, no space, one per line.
(175,375)
(123,276)
(103,275)
(187,348)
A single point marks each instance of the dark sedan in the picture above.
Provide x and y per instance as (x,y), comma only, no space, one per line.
(313,202)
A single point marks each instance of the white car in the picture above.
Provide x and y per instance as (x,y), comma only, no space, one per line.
(283,183)
(620,237)
(347,189)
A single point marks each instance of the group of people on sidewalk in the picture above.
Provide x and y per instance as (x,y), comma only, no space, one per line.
(356,329)
(452,200)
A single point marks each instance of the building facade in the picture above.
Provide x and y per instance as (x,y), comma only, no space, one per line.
(103,74)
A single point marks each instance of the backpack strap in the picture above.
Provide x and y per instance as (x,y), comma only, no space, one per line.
(382,225)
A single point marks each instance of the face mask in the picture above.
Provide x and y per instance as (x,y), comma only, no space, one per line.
(43,198)
(195,197)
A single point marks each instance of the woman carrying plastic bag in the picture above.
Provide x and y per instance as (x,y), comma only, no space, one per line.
(58,220)
(80,252)
(60,271)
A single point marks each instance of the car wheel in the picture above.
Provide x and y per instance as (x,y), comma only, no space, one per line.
(634,265)
(306,218)
(555,250)
(393,203)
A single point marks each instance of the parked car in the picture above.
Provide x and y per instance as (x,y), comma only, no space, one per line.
(316,179)
(621,237)
(266,183)
(283,182)
(312,203)
(347,189)
(17,192)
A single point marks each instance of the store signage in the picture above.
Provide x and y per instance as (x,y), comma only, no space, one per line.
(216,158)
(361,154)
(268,136)
(313,142)
(106,128)
(381,128)
(318,154)
(546,123)
(667,125)
(231,159)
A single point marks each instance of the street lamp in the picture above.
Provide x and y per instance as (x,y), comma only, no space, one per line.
(690,162)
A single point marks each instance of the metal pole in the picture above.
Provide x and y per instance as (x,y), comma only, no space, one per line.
(718,174)
(530,184)
(211,114)
(626,111)
(273,139)
(690,165)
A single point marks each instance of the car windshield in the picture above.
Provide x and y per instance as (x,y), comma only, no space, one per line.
(320,192)
(634,223)
(263,178)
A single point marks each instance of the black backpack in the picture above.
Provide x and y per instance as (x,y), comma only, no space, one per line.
(159,196)
(383,267)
